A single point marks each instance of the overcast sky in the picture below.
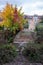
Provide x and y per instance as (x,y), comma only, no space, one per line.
(29,7)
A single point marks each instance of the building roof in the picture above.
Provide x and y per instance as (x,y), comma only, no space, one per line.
(30,17)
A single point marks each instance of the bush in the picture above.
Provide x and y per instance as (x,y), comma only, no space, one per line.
(26,25)
(41,54)
(1,27)
(8,35)
(31,54)
(34,52)
(7,53)
(39,30)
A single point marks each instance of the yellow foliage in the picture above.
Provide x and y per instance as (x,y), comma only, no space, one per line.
(8,16)
(8,11)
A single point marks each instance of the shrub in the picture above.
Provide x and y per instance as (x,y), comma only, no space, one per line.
(8,35)
(7,53)
(1,27)
(39,30)
(26,25)
(41,54)
(34,52)
(31,54)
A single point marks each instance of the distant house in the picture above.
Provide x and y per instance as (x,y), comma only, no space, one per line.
(32,21)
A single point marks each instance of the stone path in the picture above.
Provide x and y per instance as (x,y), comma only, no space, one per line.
(21,38)
(20,60)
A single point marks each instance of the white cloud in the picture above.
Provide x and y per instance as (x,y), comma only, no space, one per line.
(32,8)
(29,7)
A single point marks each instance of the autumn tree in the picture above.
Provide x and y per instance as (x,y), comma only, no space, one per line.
(7,15)
(13,18)
(18,17)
